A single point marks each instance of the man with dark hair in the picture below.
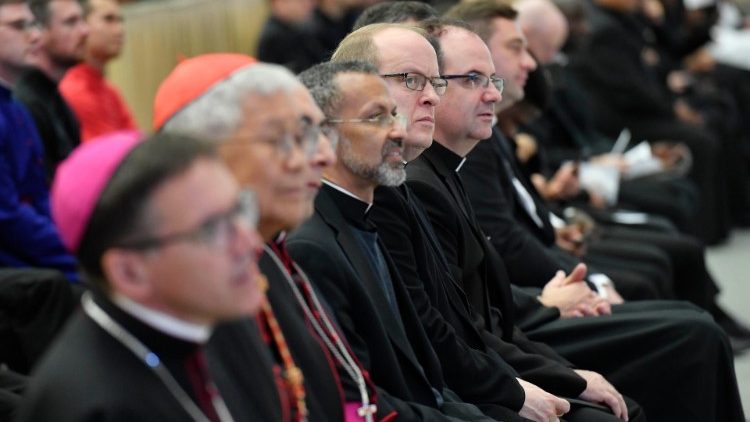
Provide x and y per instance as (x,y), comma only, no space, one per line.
(339,246)
(61,46)
(164,269)
(98,105)
(408,12)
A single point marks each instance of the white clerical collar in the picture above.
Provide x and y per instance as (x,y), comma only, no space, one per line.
(344,191)
(458,167)
(175,327)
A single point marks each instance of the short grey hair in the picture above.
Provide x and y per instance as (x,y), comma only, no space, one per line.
(217,114)
(320,80)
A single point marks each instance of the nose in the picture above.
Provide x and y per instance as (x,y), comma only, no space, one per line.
(528,61)
(296,158)
(491,94)
(245,239)
(324,155)
(398,131)
(34,34)
(429,95)
(84,28)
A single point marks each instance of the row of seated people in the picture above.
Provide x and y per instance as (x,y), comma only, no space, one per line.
(668,89)
(408,310)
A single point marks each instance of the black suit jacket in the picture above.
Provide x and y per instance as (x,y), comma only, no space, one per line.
(396,353)
(487,175)
(462,242)
(610,65)
(57,124)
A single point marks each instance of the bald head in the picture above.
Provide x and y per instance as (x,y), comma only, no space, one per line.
(396,50)
(545,27)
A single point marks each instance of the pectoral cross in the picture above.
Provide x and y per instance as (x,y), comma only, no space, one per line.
(367,411)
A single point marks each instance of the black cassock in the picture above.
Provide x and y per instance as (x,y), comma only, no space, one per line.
(669,356)
(89,375)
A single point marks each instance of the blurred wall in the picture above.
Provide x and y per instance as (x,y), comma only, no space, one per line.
(158,33)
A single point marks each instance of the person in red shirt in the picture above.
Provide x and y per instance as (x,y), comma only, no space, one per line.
(98,105)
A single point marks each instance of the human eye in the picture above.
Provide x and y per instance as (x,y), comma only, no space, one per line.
(415,81)
(211,230)
(477,79)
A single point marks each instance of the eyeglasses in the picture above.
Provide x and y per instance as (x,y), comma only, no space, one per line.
(215,232)
(306,137)
(23,25)
(475,80)
(383,120)
(417,81)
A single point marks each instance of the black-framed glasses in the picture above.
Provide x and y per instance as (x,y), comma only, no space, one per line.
(215,232)
(476,80)
(383,120)
(417,81)
(23,25)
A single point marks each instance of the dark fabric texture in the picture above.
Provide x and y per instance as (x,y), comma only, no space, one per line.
(55,121)
(28,237)
(34,306)
(398,356)
(63,389)
(615,345)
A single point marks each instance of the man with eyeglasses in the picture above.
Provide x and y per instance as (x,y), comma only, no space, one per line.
(402,225)
(164,270)
(464,116)
(467,350)
(642,327)
(435,179)
(340,249)
(268,129)
(61,46)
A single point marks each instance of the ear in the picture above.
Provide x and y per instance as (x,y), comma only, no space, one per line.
(127,273)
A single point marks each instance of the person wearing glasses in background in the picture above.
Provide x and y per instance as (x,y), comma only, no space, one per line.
(339,247)
(163,270)
(268,129)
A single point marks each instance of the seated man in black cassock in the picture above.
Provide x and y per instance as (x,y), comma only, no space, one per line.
(164,269)
(339,248)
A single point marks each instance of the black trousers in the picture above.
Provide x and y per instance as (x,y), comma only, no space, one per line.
(711,172)
(686,254)
(668,356)
(587,414)
(12,386)
(34,305)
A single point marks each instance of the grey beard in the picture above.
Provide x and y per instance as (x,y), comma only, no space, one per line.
(385,174)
